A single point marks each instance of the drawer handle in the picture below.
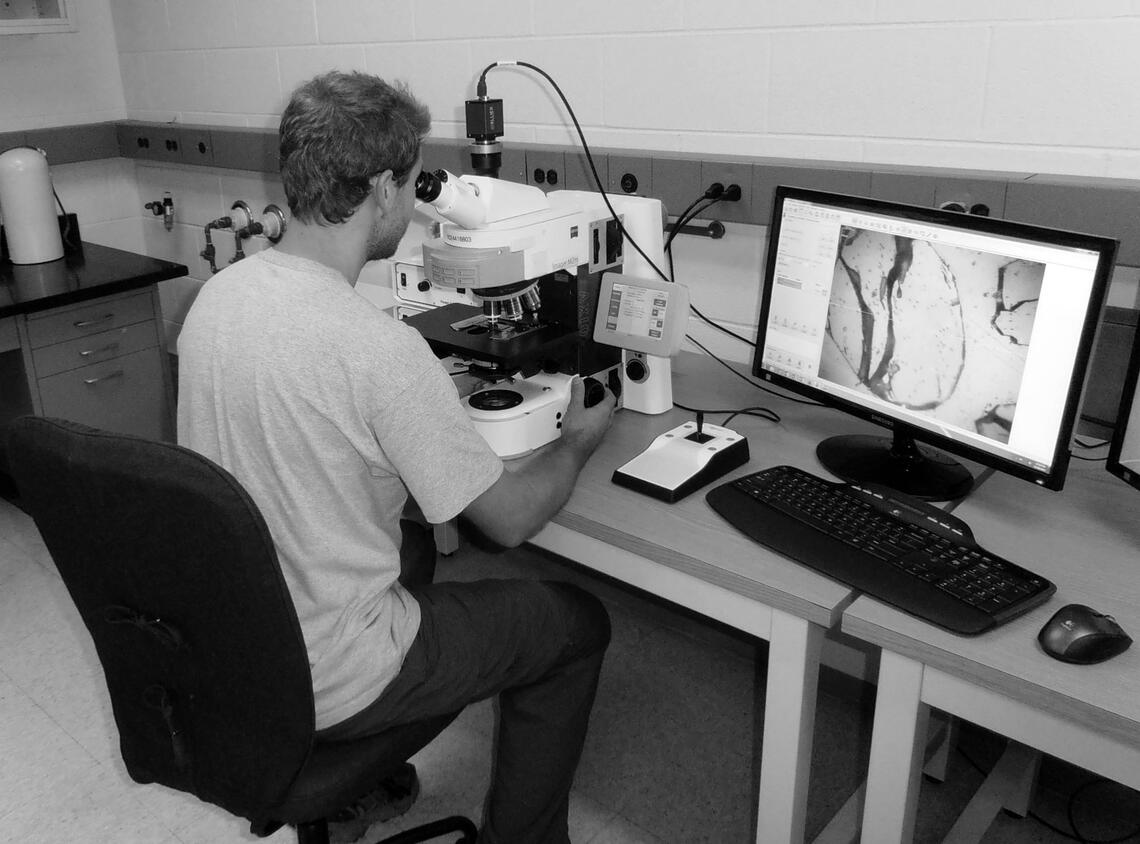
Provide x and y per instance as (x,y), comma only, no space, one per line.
(110,347)
(118,373)
(87,323)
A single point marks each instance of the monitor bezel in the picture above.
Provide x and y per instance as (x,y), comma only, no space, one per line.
(1128,397)
(1105,247)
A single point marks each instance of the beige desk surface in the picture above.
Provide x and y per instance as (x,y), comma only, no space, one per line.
(1086,539)
(688,535)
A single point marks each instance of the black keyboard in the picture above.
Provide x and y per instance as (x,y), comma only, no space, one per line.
(895,548)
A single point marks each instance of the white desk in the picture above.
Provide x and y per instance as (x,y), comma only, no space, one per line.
(1086,539)
(685,553)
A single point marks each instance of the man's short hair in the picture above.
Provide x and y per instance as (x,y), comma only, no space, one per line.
(337,132)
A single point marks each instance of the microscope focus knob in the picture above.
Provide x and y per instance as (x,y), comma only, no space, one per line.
(636,370)
(595,391)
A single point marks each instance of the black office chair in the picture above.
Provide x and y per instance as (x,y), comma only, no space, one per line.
(174,574)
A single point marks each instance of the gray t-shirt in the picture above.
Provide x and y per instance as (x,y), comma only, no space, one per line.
(329,412)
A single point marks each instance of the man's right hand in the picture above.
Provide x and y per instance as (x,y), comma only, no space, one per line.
(533,489)
(583,427)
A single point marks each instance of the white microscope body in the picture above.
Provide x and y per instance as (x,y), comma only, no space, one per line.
(508,246)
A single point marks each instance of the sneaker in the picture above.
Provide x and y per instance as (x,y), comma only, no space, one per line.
(391,798)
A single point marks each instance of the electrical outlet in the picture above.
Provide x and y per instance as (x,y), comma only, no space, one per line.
(546,169)
(135,139)
(730,173)
(197,147)
(631,174)
(985,197)
(167,144)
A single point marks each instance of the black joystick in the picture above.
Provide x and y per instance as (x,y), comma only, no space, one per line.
(595,391)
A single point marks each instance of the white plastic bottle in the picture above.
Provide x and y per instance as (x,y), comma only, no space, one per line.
(27,204)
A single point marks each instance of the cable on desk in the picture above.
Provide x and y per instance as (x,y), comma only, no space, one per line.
(740,375)
(759,412)
(1075,835)
(720,327)
(1079,443)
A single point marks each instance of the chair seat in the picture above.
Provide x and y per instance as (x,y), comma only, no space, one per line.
(337,773)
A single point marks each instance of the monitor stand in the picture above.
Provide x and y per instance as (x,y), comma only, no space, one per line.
(898,462)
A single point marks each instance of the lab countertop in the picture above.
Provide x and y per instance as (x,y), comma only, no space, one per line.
(86,273)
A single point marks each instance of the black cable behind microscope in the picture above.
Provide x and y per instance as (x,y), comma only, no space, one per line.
(481,92)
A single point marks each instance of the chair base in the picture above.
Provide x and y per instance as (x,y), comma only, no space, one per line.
(317,832)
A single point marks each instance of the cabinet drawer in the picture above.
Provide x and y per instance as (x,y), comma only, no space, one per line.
(59,326)
(126,394)
(60,357)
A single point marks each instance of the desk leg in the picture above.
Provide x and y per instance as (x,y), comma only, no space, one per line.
(897,744)
(789,718)
(1009,785)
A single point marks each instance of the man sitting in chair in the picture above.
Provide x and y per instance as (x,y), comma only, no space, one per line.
(334,416)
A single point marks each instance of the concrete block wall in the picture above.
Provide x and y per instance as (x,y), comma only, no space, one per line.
(1012,85)
(1005,86)
(1008,85)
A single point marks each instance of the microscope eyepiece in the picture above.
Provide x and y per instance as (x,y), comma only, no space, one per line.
(453,198)
(429,185)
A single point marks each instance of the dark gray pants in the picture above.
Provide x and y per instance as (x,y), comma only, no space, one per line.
(538,646)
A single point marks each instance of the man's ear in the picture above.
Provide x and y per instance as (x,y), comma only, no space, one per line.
(385,188)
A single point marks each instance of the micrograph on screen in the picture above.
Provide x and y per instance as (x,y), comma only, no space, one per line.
(940,330)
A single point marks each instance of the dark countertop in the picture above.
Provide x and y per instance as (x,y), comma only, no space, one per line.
(86,273)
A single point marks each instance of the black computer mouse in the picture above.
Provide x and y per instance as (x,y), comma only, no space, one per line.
(1080,634)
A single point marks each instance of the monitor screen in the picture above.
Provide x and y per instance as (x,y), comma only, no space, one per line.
(1124,452)
(957,332)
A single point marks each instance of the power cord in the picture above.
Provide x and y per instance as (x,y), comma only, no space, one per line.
(695,208)
(714,193)
(755,384)
(722,328)
(67,232)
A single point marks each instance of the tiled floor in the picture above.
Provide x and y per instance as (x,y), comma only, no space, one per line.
(669,756)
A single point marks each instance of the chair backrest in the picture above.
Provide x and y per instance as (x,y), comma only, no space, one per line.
(174,573)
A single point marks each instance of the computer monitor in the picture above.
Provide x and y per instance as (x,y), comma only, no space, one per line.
(1124,451)
(959,333)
